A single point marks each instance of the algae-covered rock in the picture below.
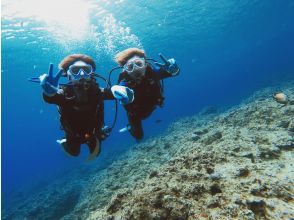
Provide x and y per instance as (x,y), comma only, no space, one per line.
(243,161)
(212,138)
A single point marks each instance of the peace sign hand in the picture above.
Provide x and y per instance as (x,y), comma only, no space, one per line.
(49,83)
(169,65)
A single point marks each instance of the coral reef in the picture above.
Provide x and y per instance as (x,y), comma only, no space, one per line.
(232,165)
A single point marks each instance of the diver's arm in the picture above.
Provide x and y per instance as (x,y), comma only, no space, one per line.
(57,99)
(107,94)
(161,73)
(168,68)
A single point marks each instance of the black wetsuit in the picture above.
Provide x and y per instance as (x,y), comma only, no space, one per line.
(147,95)
(82,115)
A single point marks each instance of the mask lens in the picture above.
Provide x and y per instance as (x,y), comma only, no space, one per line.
(75,70)
(129,66)
(87,69)
(139,63)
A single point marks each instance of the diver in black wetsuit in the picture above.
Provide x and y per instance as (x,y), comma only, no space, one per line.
(80,103)
(145,80)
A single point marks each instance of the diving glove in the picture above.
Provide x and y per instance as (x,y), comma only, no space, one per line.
(169,65)
(49,83)
(124,94)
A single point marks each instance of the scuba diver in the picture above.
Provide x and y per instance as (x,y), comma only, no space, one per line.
(145,80)
(80,103)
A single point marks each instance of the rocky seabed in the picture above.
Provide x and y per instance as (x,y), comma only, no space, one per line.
(237,164)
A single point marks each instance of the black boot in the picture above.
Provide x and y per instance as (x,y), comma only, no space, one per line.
(70,147)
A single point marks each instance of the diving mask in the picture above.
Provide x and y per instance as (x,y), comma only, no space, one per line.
(135,66)
(80,70)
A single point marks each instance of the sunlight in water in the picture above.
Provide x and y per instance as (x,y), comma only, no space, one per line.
(70,23)
(64,18)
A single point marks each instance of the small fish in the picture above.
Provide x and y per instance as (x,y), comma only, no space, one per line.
(158,121)
(280,97)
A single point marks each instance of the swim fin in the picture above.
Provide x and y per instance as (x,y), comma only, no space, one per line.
(61,141)
(127,128)
(95,152)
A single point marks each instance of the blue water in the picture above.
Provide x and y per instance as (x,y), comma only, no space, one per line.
(226,49)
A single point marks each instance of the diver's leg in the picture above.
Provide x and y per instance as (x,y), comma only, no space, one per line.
(136,126)
(71,146)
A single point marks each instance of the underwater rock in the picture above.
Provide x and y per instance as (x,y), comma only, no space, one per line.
(257,206)
(247,215)
(291,131)
(154,173)
(195,137)
(270,153)
(259,190)
(232,210)
(201,132)
(286,146)
(209,170)
(215,189)
(289,112)
(116,203)
(196,190)
(213,202)
(284,124)
(209,110)
(248,155)
(212,138)
(243,172)
(215,176)
(166,145)
(63,205)
(236,199)
(260,140)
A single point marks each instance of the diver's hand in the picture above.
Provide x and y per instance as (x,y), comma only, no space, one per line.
(49,83)
(169,65)
(124,94)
